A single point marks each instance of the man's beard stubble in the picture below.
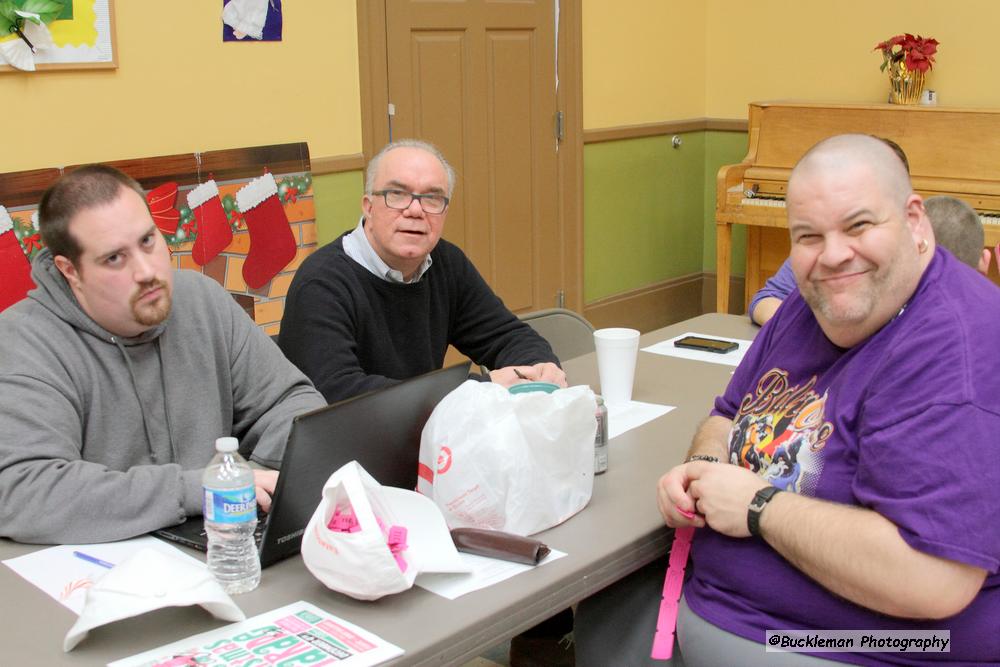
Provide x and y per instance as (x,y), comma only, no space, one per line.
(156,312)
(883,283)
(860,307)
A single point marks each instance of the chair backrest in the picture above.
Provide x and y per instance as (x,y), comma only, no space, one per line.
(569,334)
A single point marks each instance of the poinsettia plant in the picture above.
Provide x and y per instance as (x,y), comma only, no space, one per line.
(916,52)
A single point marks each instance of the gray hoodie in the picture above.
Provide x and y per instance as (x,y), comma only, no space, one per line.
(104,438)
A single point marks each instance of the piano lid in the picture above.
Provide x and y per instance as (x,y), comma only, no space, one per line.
(951,150)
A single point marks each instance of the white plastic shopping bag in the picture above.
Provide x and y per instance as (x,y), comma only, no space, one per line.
(519,463)
(367,540)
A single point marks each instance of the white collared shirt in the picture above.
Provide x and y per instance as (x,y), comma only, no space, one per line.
(358,248)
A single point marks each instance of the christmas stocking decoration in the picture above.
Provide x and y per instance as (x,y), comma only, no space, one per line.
(15,271)
(272,244)
(161,206)
(214,232)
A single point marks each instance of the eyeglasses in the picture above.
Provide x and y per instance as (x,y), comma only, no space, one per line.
(401,200)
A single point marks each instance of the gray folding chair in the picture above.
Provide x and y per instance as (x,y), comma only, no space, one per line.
(569,334)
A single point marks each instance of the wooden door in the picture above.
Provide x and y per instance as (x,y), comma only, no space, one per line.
(478,79)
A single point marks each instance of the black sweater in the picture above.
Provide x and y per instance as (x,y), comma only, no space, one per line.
(351,331)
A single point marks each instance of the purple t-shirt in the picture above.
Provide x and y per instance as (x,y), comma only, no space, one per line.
(779,286)
(906,423)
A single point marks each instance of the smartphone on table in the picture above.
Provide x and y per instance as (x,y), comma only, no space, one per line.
(706,344)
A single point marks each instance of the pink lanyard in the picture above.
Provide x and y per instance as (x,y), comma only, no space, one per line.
(666,622)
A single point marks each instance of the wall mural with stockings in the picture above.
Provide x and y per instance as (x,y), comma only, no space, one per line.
(245,217)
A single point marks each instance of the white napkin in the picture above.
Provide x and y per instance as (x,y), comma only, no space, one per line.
(150,580)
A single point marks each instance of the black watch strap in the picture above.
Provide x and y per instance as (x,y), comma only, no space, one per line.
(760,500)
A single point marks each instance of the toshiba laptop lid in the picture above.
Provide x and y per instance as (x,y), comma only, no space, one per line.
(380,430)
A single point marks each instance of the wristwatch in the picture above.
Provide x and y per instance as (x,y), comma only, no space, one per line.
(702,457)
(760,500)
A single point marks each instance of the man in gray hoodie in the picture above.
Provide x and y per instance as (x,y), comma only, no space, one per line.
(118,373)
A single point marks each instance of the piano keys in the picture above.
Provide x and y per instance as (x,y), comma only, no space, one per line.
(774,202)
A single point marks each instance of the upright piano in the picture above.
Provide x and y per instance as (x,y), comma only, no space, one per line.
(951,151)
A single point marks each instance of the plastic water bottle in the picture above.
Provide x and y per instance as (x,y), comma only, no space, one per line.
(230,509)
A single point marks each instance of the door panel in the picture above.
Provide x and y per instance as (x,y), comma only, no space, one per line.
(477,78)
(511,188)
(431,104)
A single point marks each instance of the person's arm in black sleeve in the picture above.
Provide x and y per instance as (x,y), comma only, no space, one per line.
(485,330)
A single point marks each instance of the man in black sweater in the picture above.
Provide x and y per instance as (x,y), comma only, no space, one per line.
(383,302)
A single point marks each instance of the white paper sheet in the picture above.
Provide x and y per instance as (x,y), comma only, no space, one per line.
(483,572)
(626,416)
(298,633)
(65,577)
(733,358)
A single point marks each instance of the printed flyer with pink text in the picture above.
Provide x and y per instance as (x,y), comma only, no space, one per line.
(296,634)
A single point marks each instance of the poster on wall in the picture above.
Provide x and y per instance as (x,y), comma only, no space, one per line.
(251,20)
(57,34)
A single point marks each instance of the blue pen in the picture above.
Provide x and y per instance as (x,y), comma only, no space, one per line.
(93,559)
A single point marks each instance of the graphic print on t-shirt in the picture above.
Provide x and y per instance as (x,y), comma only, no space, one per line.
(780,431)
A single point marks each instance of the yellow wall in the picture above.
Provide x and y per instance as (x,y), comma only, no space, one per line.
(643,61)
(179,88)
(653,60)
(823,51)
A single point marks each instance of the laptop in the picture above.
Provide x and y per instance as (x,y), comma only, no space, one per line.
(380,430)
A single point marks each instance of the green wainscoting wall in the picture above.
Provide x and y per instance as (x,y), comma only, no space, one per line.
(649,209)
(642,212)
(338,203)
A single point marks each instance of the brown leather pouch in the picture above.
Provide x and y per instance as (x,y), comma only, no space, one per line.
(497,544)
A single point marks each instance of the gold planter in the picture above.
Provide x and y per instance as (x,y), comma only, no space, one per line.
(907,85)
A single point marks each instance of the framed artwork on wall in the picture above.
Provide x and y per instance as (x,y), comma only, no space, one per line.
(81,37)
(251,20)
